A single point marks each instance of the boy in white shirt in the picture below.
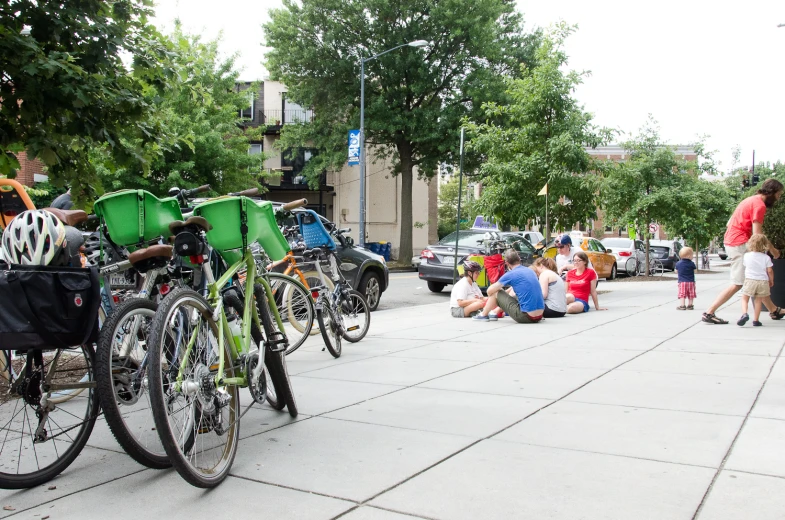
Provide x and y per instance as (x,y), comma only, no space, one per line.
(566,251)
(758,279)
(466,297)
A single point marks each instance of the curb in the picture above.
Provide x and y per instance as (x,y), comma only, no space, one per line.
(401,269)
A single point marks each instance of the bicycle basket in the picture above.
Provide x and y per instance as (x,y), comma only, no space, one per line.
(48,307)
(226,215)
(313,231)
(134,216)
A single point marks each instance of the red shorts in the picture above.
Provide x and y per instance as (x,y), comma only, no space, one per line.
(687,290)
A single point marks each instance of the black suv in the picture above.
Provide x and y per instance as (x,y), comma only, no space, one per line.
(366,271)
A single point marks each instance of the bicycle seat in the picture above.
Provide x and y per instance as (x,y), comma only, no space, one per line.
(178,225)
(69,217)
(313,254)
(150,257)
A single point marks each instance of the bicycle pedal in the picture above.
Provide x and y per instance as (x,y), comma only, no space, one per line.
(277,343)
(355,327)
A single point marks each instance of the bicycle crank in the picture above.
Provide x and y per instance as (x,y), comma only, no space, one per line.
(257,384)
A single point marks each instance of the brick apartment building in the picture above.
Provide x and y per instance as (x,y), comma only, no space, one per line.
(29,169)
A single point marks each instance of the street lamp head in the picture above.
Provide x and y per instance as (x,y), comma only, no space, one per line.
(419,43)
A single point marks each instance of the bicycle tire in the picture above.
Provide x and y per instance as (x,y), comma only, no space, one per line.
(295,303)
(204,421)
(116,372)
(331,340)
(313,276)
(232,299)
(657,269)
(362,313)
(61,458)
(275,361)
(631,267)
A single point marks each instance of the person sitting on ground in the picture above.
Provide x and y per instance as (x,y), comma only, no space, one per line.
(581,283)
(566,252)
(552,287)
(686,269)
(758,279)
(523,301)
(466,298)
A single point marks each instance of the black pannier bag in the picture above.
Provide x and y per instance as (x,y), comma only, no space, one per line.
(43,307)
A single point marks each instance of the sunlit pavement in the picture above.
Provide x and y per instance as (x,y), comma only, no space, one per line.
(638,412)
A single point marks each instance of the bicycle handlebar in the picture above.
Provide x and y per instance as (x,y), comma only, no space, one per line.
(190,193)
(294,204)
(250,192)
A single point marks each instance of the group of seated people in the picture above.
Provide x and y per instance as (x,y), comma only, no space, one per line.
(527,295)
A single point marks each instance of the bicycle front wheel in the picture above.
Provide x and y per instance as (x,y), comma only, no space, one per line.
(356,316)
(197,415)
(122,364)
(40,439)
(295,306)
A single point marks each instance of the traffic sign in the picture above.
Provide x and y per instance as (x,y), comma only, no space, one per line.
(653,228)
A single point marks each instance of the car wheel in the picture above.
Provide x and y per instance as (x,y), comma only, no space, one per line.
(436,286)
(371,289)
(613,273)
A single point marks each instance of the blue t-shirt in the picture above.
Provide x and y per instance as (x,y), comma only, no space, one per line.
(686,270)
(527,288)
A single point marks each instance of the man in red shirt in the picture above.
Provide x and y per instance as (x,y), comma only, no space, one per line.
(746,220)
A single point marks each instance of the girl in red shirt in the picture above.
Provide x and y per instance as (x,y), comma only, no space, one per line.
(581,283)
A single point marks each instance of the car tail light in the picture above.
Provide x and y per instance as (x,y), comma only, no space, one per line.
(625,253)
(427,253)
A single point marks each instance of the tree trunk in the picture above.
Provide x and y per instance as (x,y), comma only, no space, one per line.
(405,246)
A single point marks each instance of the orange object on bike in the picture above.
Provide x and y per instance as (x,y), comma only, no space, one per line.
(13,201)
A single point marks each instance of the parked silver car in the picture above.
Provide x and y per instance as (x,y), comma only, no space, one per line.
(630,254)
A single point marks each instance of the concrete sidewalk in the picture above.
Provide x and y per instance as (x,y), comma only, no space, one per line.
(638,412)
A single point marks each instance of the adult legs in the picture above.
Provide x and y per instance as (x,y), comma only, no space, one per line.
(723,297)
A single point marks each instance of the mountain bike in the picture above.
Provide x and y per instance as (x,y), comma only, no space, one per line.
(342,312)
(197,364)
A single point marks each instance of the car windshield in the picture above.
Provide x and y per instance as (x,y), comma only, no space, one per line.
(520,244)
(617,242)
(465,239)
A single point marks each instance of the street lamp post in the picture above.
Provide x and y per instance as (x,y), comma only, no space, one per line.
(416,43)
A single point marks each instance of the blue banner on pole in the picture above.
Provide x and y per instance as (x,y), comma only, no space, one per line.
(354,147)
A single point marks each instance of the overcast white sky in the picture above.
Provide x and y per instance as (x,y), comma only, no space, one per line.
(699,66)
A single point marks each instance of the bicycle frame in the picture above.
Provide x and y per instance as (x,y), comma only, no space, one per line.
(215,300)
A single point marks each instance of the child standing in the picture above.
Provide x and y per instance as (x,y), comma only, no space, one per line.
(686,269)
(758,279)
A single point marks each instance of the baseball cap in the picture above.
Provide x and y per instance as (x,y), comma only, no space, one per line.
(565,240)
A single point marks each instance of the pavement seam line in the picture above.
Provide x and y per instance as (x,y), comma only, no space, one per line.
(735,439)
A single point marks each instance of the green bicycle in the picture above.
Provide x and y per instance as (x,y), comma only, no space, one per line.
(198,361)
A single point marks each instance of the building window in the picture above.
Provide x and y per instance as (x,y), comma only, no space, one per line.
(247,113)
(256,149)
(293,162)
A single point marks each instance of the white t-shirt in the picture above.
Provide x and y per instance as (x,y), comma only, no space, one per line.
(562,260)
(463,290)
(755,265)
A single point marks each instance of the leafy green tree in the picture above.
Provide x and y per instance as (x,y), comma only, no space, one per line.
(64,86)
(415,99)
(448,207)
(698,209)
(539,137)
(655,185)
(204,142)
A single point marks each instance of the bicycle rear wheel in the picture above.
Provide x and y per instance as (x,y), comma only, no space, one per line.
(313,279)
(122,364)
(295,306)
(356,315)
(329,326)
(40,439)
(197,416)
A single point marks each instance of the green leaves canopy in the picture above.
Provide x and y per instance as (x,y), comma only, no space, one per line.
(415,98)
(537,137)
(64,85)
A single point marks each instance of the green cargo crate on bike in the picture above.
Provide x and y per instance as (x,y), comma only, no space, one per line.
(225,215)
(134,216)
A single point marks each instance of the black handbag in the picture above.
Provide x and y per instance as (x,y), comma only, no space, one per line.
(44,307)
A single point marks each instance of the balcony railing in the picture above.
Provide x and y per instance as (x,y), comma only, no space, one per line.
(286,117)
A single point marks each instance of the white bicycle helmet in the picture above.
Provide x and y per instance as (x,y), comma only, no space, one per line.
(34,237)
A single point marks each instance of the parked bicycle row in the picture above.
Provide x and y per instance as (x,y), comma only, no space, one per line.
(189,313)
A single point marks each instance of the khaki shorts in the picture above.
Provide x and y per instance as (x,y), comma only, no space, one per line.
(756,288)
(512,306)
(736,255)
